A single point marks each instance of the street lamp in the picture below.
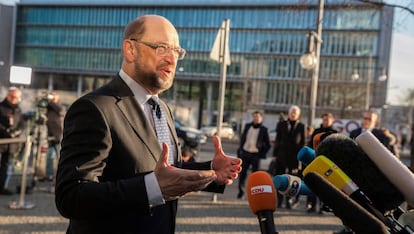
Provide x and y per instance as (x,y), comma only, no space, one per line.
(311,60)
(382,77)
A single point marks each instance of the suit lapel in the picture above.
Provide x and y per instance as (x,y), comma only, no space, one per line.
(139,122)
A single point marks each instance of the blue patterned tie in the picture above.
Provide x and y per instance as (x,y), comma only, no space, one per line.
(161,128)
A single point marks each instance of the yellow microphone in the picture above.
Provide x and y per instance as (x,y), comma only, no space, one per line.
(332,173)
(326,168)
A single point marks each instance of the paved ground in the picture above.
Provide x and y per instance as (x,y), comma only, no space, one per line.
(197,213)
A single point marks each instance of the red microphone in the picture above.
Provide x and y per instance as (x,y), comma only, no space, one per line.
(261,195)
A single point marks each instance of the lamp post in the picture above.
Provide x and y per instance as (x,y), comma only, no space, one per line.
(311,60)
(382,77)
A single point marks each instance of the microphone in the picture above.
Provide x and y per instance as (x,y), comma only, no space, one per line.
(261,196)
(306,155)
(392,168)
(317,139)
(407,219)
(331,172)
(350,212)
(347,155)
(290,185)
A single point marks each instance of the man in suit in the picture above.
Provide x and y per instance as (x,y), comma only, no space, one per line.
(369,122)
(254,144)
(114,176)
(290,138)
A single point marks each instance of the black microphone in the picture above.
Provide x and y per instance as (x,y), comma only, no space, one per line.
(332,173)
(350,212)
(348,156)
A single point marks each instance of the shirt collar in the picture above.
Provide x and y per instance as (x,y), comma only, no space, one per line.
(141,95)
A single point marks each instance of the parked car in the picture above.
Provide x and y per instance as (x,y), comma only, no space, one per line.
(226,131)
(189,136)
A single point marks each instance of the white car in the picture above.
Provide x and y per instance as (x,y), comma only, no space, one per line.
(226,131)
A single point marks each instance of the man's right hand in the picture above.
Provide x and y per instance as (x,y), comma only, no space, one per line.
(176,182)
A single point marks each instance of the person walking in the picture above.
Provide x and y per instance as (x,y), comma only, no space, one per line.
(290,138)
(120,168)
(254,144)
(11,126)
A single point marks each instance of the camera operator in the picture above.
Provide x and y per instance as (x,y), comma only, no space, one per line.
(55,114)
(11,126)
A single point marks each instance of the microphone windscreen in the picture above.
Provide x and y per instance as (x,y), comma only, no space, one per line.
(306,155)
(393,168)
(348,156)
(261,193)
(351,213)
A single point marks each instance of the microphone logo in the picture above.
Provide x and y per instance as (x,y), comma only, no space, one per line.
(293,189)
(260,189)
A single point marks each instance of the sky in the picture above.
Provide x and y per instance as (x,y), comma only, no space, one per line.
(401,73)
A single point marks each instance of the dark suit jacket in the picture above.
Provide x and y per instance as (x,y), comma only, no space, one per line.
(108,146)
(288,142)
(378,133)
(262,143)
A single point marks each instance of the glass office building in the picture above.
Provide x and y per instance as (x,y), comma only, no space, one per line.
(75,46)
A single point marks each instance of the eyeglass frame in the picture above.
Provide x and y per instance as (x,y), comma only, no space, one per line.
(178,52)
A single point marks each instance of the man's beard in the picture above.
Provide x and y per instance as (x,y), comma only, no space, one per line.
(152,81)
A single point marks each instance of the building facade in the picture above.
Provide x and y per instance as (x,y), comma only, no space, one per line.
(74,46)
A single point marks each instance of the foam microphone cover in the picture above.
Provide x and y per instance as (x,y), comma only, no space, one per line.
(348,156)
(351,213)
(318,138)
(393,168)
(306,155)
(261,193)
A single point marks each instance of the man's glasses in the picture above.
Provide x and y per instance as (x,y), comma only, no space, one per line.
(367,118)
(163,50)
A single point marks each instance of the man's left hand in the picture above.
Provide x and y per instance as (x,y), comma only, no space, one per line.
(227,168)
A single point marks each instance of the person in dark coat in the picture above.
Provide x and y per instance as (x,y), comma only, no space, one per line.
(369,122)
(254,144)
(11,126)
(290,138)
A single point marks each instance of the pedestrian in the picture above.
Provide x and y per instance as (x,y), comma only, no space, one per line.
(327,128)
(290,138)
(55,113)
(11,126)
(254,144)
(369,123)
(114,173)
